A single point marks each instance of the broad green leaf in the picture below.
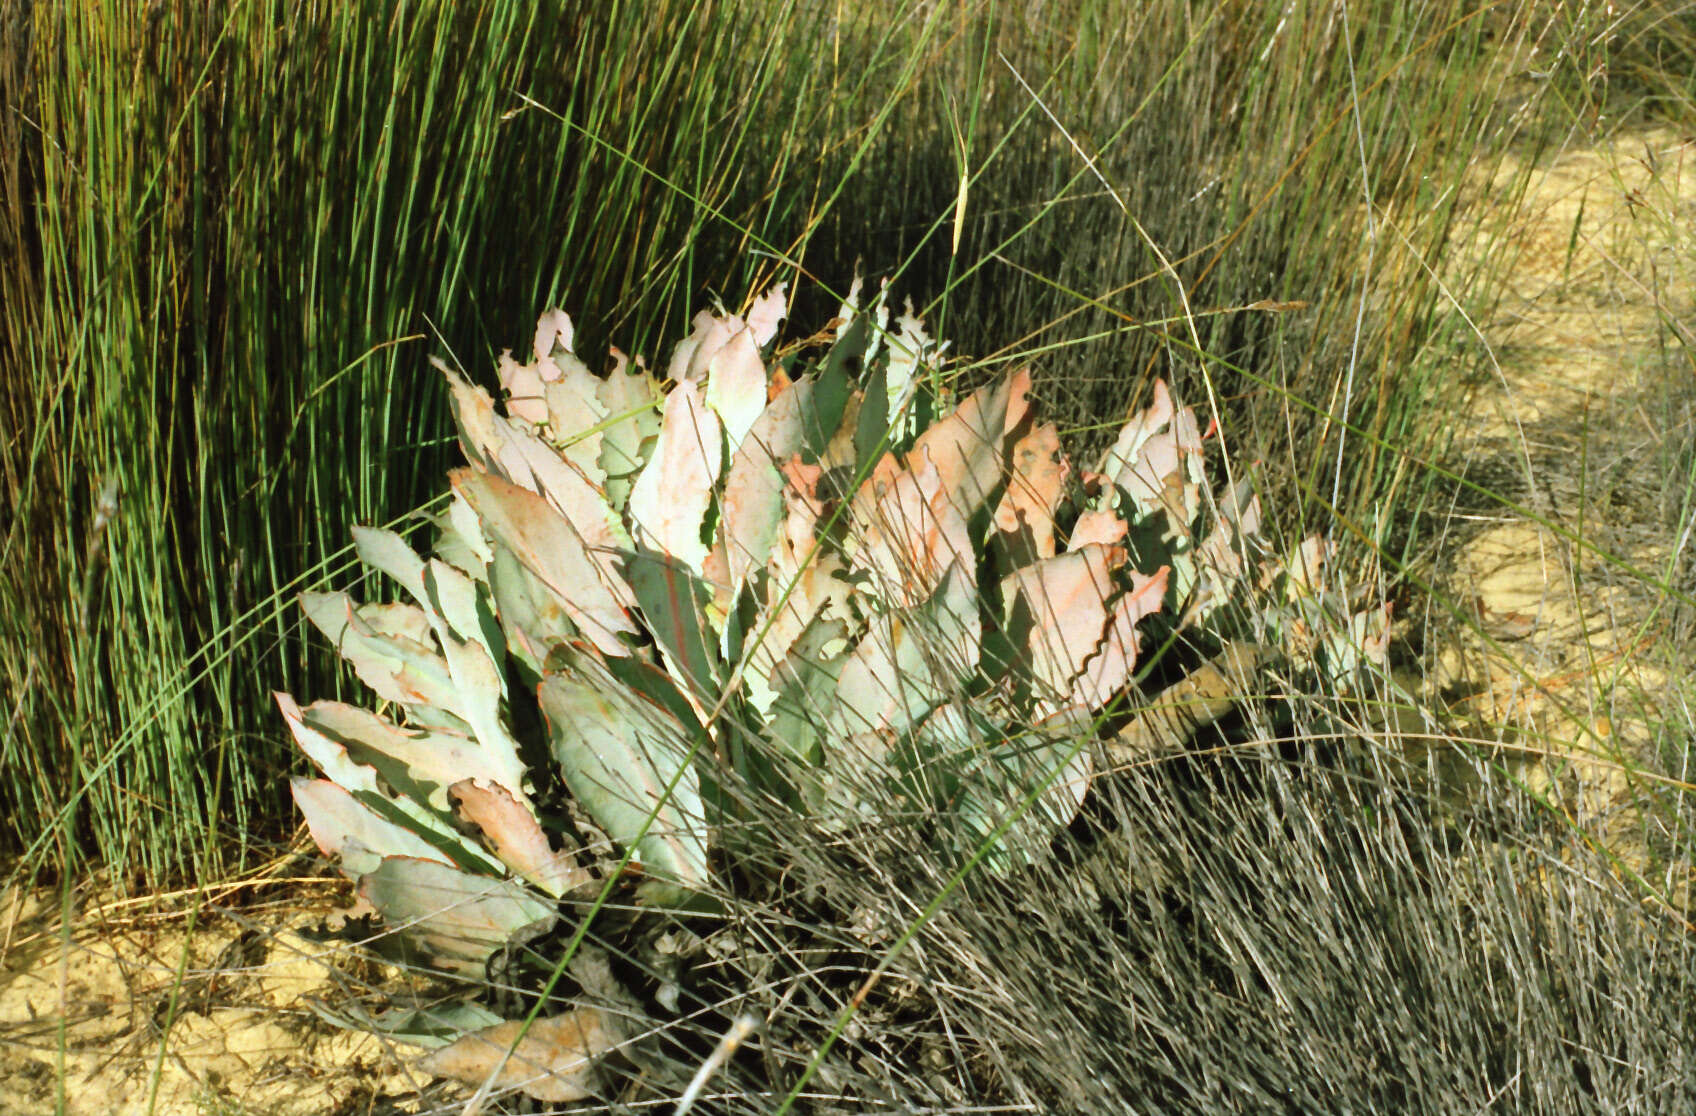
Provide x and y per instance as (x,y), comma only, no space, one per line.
(984,776)
(454,920)
(386,551)
(673,602)
(618,752)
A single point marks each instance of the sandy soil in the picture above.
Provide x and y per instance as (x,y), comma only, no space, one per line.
(1563,665)
(1579,422)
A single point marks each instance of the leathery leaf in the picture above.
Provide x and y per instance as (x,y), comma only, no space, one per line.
(627,760)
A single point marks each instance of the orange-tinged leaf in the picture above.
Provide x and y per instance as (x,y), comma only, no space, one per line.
(1059,611)
(1101,526)
(1109,671)
(553,1060)
(916,531)
(1024,519)
(966,447)
(516,838)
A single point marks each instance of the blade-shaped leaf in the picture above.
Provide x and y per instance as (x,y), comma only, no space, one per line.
(674,604)
(736,386)
(912,533)
(967,446)
(552,1060)
(1058,609)
(632,403)
(512,832)
(1024,520)
(1110,670)
(905,665)
(618,752)
(753,505)
(347,831)
(420,764)
(668,506)
(453,918)
(549,548)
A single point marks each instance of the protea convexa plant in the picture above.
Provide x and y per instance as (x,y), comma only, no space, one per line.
(810,573)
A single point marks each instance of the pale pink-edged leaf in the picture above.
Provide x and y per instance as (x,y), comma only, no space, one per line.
(1108,672)
(1167,472)
(454,919)
(632,402)
(967,446)
(419,763)
(398,668)
(669,503)
(753,508)
(463,543)
(516,454)
(523,384)
(1058,611)
(709,334)
(474,414)
(344,829)
(513,834)
(767,313)
(548,548)
(345,770)
(1099,526)
(553,1060)
(1024,519)
(1306,566)
(553,330)
(1142,426)
(736,386)
(915,533)
(396,620)
(386,551)
(575,410)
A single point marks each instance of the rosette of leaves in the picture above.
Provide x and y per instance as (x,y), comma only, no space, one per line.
(813,573)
